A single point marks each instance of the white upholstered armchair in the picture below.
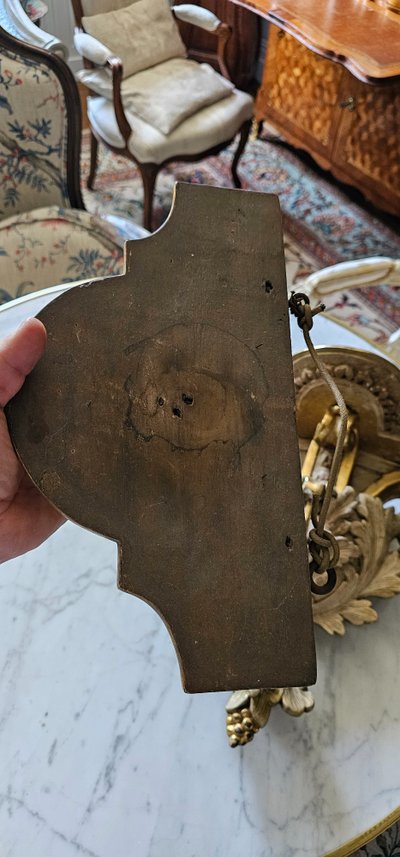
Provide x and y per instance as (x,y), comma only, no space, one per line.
(373,271)
(332,284)
(148,101)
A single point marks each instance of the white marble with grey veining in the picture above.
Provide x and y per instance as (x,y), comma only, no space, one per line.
(103,755)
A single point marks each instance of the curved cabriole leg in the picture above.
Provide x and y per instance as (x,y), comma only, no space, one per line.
(244,135)
(94,145)
(149,175)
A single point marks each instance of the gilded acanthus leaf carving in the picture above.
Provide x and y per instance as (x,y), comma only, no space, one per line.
(367,533)
(297,700)
(368,565)
(248,710)
(387,580)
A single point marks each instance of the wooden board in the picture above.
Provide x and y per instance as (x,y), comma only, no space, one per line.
(162,416)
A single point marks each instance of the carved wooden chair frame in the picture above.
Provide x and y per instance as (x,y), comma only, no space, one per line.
(15,20)
(72,106)
(149,171)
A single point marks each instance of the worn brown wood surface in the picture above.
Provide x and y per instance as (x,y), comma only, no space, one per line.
(162,415)
(359,34)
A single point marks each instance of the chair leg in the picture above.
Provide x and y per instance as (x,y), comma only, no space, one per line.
(93,160)
(149,175)
(244,134)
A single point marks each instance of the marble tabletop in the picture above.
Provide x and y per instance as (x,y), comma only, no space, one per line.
(103,755)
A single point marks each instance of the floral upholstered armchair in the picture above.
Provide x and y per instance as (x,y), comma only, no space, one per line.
(46,236)
(148,100)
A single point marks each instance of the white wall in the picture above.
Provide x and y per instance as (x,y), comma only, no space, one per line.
(59,21)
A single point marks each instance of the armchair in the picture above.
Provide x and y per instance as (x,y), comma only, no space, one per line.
(329,284)
(147,100)
(17,16)
(46,236)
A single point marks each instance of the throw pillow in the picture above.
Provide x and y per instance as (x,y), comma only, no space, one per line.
(94,7)
(167,95)
(142,34)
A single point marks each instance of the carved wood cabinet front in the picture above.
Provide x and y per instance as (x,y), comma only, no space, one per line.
(351,128)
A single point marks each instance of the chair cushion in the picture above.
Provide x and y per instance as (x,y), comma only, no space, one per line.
(164,95)
(209,127)
(49,246)
(98,80)
(168,93)
(142,34)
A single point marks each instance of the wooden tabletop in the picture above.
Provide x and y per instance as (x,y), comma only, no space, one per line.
(360,34)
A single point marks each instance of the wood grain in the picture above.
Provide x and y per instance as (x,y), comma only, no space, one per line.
(162,415)
(359,34)
(349,127)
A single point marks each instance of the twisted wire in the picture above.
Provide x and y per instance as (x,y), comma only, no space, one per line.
(323,546)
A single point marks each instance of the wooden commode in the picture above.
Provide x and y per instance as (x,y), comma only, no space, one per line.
(331,85)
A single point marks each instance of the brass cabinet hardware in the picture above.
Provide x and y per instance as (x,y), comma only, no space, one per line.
(349,103)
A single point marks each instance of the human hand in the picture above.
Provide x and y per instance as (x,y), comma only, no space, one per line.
(26,517)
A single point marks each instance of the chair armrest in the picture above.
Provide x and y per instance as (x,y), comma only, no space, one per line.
(95,53)
(353,275)
(91,49)
(189,13)
(196,15)
(115,64)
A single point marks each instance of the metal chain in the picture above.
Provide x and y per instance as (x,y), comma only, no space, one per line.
(322,544)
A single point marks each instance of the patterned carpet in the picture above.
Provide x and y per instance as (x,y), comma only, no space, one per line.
(322,225)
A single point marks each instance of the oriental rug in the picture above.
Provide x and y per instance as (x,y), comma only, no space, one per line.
(322,224)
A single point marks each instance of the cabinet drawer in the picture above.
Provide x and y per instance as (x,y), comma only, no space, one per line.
(299,89)
(351,128)
(368,142)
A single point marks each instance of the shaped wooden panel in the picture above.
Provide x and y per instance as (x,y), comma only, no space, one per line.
(162,416)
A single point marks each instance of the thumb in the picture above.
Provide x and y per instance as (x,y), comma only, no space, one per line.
(19,353)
